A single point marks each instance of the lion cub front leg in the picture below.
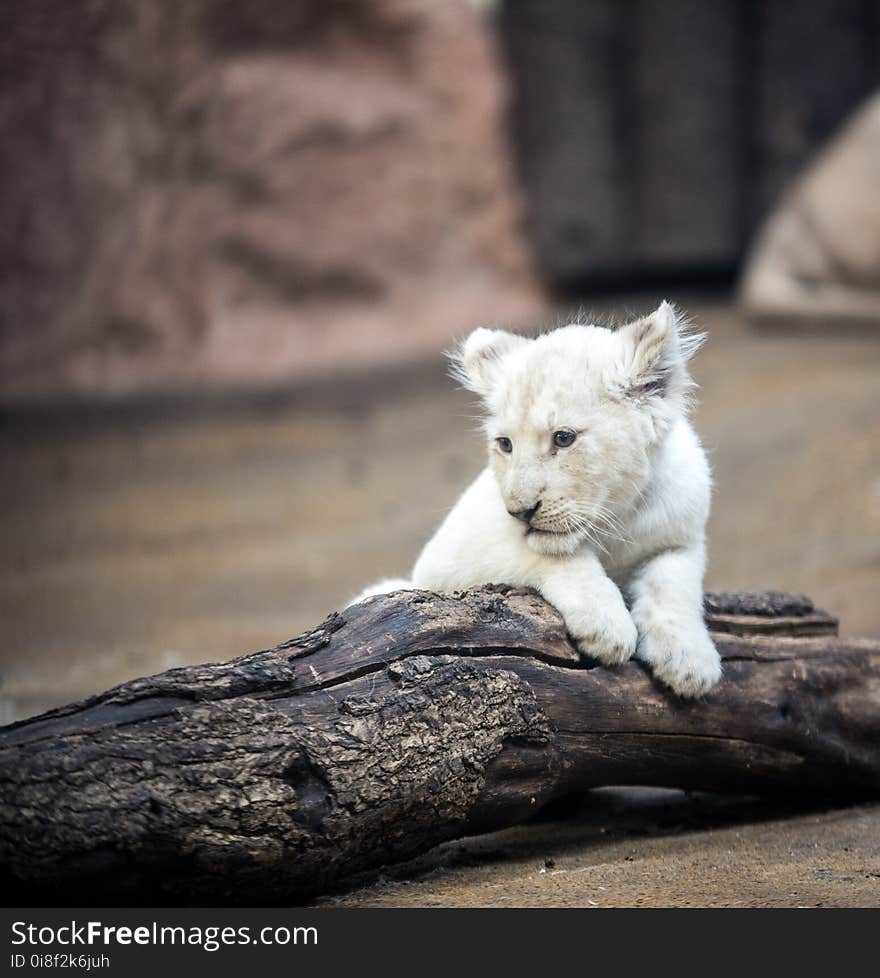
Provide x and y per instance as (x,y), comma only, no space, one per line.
(592,607)
(667,607)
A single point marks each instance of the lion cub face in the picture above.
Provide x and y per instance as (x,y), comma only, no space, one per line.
(573,418)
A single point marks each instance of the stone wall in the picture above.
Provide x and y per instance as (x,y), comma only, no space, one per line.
(227,193)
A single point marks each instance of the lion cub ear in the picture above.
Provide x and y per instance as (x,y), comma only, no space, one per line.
(476,362)
(657,348)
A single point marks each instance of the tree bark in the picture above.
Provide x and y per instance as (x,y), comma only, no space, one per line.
(402,722)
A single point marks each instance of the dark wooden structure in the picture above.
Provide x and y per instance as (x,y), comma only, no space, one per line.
(653,136)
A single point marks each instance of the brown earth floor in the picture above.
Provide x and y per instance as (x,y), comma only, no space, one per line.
(637,847)
(138,539)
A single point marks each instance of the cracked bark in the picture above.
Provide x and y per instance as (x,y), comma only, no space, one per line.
(401,723)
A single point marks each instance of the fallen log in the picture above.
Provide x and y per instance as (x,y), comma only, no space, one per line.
(403,722)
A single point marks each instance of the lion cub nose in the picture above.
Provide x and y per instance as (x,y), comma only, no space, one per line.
(525,514)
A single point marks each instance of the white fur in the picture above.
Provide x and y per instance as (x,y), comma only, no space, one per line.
(618,542)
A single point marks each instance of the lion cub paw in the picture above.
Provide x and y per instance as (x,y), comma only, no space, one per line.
(608,635)
(685,660)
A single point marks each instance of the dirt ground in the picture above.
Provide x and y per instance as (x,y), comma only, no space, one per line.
(639,847)
(147,537)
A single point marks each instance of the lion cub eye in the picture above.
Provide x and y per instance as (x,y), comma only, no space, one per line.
(564,439)
(505,444)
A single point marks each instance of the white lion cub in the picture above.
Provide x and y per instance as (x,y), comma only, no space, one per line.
(596,493)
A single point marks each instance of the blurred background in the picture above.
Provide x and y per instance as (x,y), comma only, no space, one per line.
(236,237)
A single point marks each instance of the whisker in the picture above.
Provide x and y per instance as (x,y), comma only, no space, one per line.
(582,525)
(600,523)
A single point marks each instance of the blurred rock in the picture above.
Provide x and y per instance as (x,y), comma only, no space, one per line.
(221,193)
(818,255)
(814,63)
